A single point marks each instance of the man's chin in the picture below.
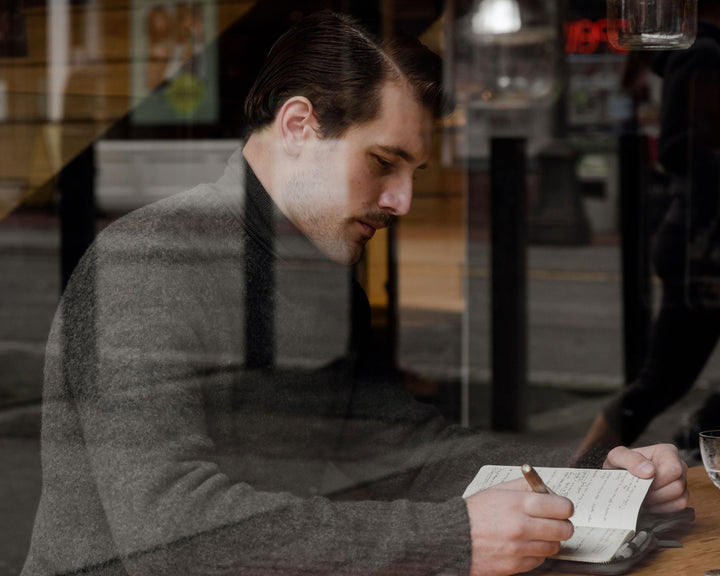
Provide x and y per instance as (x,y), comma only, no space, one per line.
(352,255)
(355,258)
(356,252)
(346,253)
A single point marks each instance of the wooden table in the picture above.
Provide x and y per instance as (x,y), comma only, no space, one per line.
(700,545)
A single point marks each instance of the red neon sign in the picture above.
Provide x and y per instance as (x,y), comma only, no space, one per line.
(586,37)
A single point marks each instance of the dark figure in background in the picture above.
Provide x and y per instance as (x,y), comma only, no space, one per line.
(166,451)
(687,247)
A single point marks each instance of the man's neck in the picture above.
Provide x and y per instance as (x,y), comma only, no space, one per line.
(258,153)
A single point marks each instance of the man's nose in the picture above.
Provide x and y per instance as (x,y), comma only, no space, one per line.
(397,197)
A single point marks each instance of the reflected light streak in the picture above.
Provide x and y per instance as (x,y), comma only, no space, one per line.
(496,17)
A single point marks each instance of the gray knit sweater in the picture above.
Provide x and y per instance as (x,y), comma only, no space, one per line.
(164,453)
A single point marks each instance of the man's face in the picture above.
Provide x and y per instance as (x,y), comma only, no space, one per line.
(349,187)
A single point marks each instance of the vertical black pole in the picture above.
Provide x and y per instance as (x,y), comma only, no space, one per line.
(76,187)
(509,290)
(637,306)
(393,297)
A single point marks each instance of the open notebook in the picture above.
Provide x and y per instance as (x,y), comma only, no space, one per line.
(607,504)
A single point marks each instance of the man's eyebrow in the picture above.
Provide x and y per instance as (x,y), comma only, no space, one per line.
(402,153)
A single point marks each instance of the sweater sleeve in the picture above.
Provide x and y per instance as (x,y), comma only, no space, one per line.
(409,450)
(169,504)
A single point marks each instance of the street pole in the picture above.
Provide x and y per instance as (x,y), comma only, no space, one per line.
(509,283)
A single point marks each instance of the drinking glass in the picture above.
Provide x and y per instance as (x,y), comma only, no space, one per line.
(651,24)
(710,452)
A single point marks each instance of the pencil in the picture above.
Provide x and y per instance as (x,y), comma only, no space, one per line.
(533,478)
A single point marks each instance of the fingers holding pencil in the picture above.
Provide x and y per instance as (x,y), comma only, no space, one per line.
(539,487)
(534,480)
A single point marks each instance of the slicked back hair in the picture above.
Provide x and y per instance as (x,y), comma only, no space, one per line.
(332,61)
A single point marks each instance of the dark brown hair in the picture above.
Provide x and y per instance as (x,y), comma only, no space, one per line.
(331,60)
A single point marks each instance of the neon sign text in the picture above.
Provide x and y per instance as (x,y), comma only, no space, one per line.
(587,37)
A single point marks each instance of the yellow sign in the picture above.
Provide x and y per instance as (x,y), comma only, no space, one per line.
(185,94)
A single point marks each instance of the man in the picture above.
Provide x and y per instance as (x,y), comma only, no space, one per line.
(168,451)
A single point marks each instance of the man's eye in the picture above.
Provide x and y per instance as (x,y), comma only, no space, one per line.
(384,164)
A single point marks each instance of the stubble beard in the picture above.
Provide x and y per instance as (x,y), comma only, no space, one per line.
(326,229)
(333,242)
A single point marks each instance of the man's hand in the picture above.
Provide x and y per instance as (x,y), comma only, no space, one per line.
(513,529)
(668,492)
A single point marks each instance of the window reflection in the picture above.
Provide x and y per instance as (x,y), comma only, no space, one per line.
(107,106)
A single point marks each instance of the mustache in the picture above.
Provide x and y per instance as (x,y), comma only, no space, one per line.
(377,219)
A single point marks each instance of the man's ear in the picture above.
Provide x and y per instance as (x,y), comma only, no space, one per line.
(296,123)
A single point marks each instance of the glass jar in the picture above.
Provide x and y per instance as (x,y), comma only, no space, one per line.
(651,24)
